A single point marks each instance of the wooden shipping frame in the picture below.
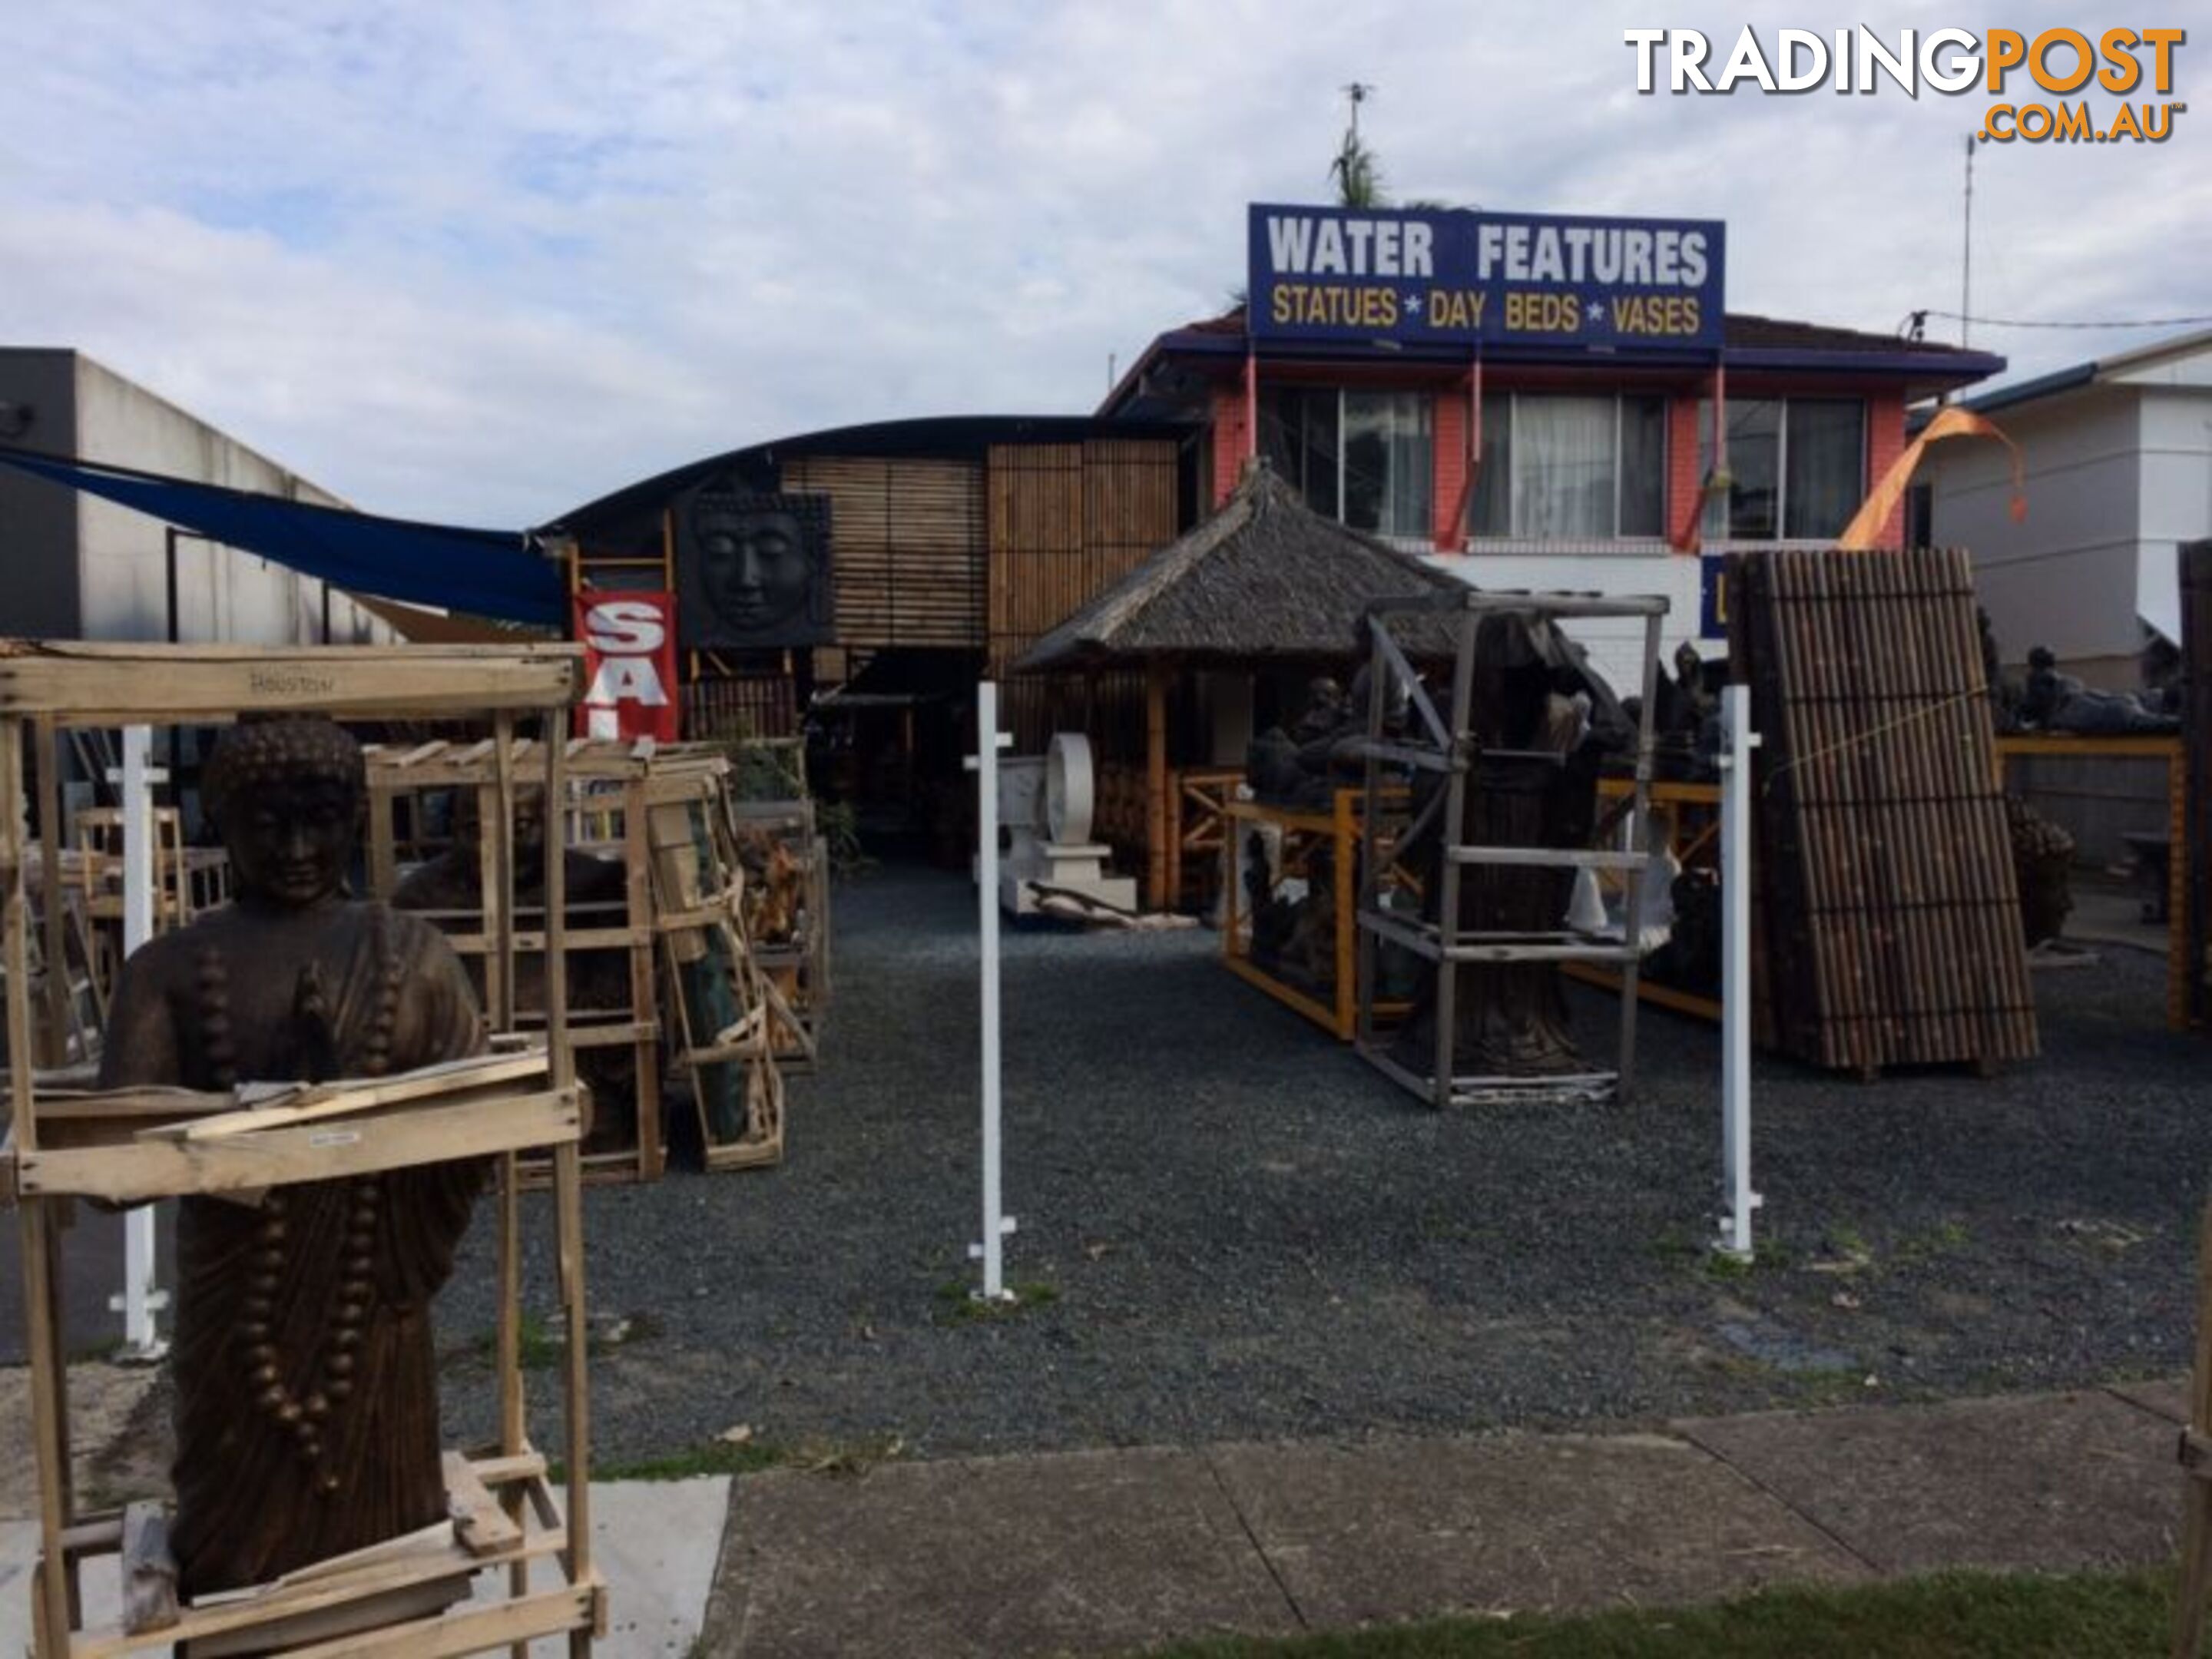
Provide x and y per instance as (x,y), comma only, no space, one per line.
(1691,846)
(1340,828)
(798,967)
(1446,744)
(433,767)
(46,687)
(2175,754)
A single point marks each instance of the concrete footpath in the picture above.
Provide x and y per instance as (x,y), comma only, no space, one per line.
(1115,1552)
(1112,1553)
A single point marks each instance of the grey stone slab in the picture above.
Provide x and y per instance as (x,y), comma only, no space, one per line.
(2168,1396)
(1401,1529)
(1076,1553)
(656,1542)
(2043,1481)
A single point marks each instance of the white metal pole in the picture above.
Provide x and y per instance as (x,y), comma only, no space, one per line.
(1735,968)
(989,741)
(140,1300)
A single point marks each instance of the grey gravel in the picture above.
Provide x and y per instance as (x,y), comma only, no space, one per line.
(1231,1228)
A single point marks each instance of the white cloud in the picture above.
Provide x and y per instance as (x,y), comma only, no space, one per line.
(485,262)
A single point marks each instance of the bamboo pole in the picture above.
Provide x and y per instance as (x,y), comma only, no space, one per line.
(1155,785)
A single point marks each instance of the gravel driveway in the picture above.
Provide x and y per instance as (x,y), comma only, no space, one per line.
(1229,1227)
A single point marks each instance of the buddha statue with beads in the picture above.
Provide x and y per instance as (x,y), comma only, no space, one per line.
(306,1412)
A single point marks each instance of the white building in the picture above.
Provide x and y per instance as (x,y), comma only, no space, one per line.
(81,567)
(2119,460)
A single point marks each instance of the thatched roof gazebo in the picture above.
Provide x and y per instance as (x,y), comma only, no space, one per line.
(1266,582)
(1265,578)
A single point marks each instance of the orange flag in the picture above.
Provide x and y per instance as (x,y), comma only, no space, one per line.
(1863,532)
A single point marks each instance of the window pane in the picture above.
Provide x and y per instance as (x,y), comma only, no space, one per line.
(1413,455)
(1643,466)
(1826,466)
(1298,434)
(1755,438)
(1385,462)
(1563,467)
(1491,513)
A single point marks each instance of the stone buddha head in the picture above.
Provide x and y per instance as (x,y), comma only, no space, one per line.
(288,795)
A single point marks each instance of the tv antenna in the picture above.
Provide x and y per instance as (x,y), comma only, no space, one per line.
(1359,92)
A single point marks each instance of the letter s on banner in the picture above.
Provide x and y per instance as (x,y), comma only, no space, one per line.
(629,665)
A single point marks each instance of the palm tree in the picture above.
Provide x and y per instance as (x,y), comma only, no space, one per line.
(1359,179)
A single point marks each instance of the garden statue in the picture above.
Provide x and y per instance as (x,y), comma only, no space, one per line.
(2043,866)
(1533,783)
(306,1410)
(2059,702)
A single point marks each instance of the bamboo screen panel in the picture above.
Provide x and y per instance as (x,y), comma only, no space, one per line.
(2197,736)
(725,710)
(908,548)
(1068,522)
(1886,896)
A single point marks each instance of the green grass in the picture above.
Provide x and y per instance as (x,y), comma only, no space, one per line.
(750,1457)
(1953,1616)
(957,1304)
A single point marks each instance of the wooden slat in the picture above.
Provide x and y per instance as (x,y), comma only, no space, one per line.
(89,685)
(1891,917)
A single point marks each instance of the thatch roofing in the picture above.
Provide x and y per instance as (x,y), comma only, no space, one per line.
(1265,577)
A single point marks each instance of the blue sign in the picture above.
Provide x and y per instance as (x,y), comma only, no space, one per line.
(1712,596)
(1460,277)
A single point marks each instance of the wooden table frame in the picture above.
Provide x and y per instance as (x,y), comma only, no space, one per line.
(1340,828)
(2172,751)
(44,687)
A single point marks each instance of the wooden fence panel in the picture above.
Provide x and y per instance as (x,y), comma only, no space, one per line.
(1892,918)
(908,548)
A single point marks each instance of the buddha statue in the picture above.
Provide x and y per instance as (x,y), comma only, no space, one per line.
(306,1409)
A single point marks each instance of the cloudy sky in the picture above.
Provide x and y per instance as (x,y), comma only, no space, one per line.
(485,261)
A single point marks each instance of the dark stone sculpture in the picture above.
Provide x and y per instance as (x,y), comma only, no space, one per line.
(753,570)
(306,1411)
(1533,784)
(2043,864)
(2059,702)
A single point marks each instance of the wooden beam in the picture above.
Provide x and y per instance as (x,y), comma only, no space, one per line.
(1155,785)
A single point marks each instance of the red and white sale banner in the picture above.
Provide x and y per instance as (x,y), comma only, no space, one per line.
(629,665)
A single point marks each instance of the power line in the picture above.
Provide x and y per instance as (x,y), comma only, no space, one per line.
(2019,322)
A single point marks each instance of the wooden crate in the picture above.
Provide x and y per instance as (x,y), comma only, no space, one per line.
(145,1145)
(603,775)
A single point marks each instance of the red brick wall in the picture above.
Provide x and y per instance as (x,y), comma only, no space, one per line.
(1685,476)
(1447,499)
(1230,439)
(1885,443)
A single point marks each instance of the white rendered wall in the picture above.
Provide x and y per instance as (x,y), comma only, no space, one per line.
(1615,643)
(221,594)
(2177,490)
(2066,576)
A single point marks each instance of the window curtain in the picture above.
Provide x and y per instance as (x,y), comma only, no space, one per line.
(1563,467)
(1643,466)
(1386,463)
(1491,511)
(1751,509)
(1827,467)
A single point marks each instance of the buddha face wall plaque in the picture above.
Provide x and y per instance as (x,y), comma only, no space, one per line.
(752,569)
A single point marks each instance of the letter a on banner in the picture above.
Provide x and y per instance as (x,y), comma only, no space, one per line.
(629,665)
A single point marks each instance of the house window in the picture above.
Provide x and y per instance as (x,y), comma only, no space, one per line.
(1363,457)
(1796,466)
(1570,468)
